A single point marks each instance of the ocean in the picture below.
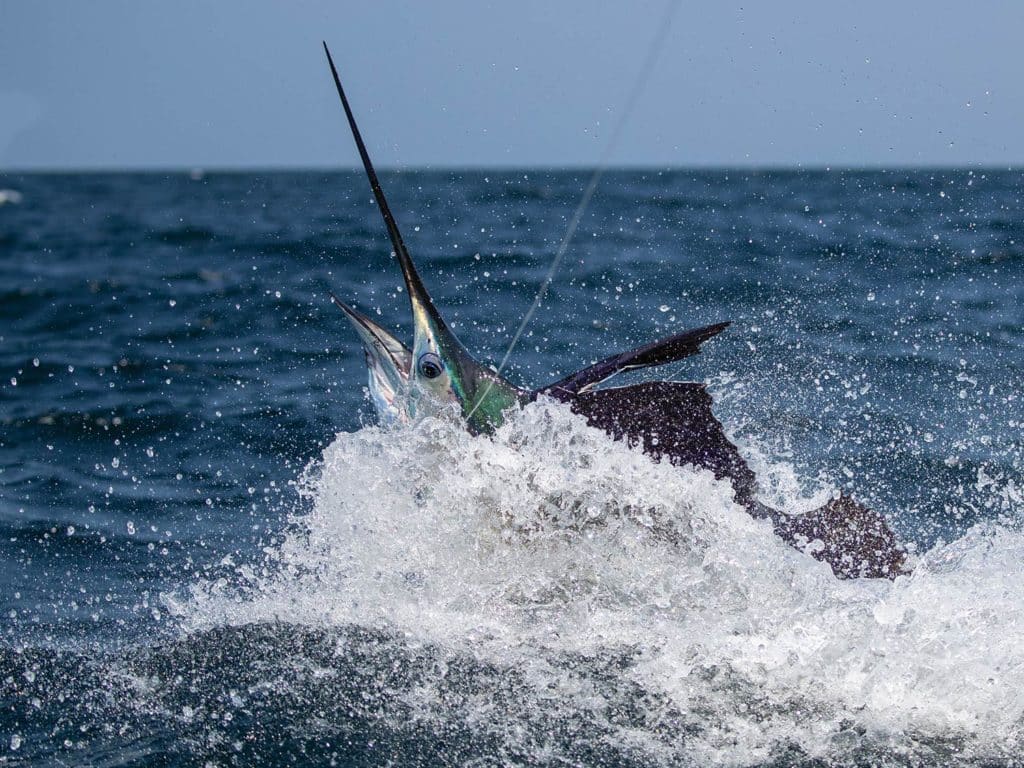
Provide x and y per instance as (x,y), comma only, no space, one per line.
(212,555)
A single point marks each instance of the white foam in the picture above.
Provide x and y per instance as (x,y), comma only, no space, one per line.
(549,538)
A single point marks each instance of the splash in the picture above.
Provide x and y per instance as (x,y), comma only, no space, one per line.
(605,582)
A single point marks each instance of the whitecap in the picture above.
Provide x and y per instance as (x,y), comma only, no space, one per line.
(548,540)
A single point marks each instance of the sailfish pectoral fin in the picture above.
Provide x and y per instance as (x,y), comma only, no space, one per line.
(659,352)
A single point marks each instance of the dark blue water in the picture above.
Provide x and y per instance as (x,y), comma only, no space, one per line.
(172,371)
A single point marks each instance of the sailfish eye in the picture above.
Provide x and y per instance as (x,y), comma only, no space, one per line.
(430,365)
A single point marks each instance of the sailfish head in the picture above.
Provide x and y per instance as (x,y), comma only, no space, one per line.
(441,371)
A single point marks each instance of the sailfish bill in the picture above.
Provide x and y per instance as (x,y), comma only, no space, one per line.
(442,371)
(668,420)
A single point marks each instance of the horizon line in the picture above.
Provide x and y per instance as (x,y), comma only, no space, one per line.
(525,168)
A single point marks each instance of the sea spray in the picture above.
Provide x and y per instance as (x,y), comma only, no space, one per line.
(549,541)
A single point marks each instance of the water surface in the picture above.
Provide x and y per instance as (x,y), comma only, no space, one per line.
(212,556)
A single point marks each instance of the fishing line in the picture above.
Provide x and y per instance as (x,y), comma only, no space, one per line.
(653,52)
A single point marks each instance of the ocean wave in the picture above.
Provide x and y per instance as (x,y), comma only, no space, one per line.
(185,235)
(542,596)
(10,197)
(548,543)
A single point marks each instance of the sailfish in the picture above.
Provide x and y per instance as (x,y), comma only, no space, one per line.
(668,420)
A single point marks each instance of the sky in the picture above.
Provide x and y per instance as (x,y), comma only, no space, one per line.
(232,84)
